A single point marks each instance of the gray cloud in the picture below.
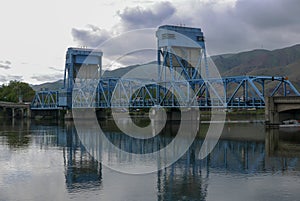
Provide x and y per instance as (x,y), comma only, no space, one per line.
(7,78)
(130,18)
(138,17)
(245,25)
(56,69)
(130,48)
(48,77)
(5,64)
(92,36)
(269,13)
(123,44)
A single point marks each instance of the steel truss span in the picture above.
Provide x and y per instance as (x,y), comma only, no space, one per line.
(185,78)
(239,92)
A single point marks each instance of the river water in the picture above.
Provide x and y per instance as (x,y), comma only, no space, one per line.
(45,160)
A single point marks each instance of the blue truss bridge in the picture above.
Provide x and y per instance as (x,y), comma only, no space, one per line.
(183,77)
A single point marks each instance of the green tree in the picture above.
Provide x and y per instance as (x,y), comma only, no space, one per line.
(15,90)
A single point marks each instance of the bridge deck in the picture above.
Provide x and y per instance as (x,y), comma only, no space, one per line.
(14,105)
(228,92)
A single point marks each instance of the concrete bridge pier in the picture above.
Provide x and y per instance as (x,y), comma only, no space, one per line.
(184,114)
(47,114)
(281,108)
(16,112)
(13,113)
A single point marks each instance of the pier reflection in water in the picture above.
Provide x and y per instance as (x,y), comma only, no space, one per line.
(264,167)
(82,171)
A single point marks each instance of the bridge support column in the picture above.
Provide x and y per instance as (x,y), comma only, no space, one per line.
(271,113)
(185,114)
(68,115)
(13,110)
(13,114)
(28,112)
(281,108)
(157,114)
(22,113)
(4,112)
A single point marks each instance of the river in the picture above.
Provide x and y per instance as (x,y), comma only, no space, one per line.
(47,160)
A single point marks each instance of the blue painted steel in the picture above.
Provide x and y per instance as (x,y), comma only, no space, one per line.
(194,91)
(146,95)
(45,100)
(194,34)
(77,58)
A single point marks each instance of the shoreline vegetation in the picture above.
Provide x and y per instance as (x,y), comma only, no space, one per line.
(16,91)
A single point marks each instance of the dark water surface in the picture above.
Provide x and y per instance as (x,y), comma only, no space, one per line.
(46,161)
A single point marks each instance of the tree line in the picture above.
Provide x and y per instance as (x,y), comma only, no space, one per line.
(16,91)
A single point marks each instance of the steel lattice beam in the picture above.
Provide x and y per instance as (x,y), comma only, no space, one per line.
(183,80)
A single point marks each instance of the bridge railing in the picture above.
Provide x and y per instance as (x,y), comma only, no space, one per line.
(237,92)
(45,100)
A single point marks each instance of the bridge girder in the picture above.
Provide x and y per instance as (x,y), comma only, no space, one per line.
(184,79)
(249,92)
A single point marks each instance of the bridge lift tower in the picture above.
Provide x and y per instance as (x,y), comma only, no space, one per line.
(184,70)
(88,60)
(181,49)
(181,63)
(76,59)
(184,79)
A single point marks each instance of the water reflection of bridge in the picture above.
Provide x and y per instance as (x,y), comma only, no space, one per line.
(81,170)
(230,156)
(283,143)
(235,156)
(183,76)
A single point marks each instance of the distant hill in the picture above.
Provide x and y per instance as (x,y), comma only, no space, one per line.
(59,84)
(48,86)
(119,72)
(279,62)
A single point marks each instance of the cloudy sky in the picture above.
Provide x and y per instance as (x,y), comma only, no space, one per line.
(34,34)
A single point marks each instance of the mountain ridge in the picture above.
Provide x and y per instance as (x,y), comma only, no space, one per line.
(279,62)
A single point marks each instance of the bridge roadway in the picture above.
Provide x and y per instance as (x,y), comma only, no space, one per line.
(228,92)
(16,109)
(184,78)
